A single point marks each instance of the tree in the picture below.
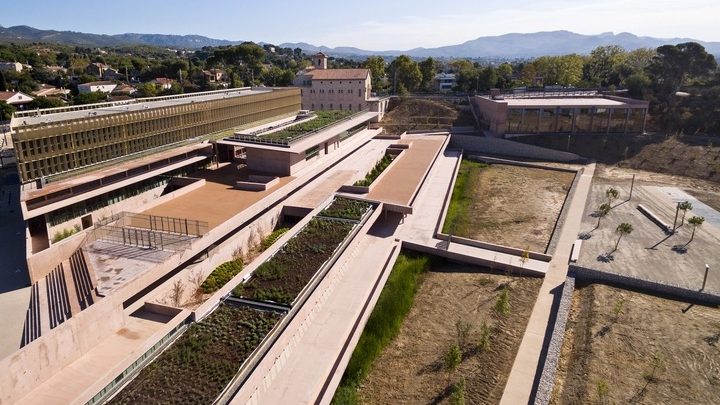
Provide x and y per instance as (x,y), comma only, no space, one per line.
(405,74)
(601,212)
(6,111)
(684,207)
(427,68)
(376,65)
(44,102)
(603,64)
(3,82)
(695,221)
(146,90)
(504,76)
(528,74)
(637,84)
(622,229)
(611,194)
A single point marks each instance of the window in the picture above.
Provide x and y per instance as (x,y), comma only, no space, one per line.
(350,107)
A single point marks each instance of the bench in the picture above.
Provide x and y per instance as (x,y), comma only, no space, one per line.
(575,253)
(659,222)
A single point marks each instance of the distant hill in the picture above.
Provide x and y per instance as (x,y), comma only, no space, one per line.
(521,45)
(23,33)
(503,46)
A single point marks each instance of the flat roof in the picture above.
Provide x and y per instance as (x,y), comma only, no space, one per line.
(66,113)
(565,101)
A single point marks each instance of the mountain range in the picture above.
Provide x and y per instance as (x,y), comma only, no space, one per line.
(508,46)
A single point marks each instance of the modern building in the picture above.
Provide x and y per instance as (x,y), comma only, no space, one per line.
(76,161)
(559,112)
(333,89)
(444,82)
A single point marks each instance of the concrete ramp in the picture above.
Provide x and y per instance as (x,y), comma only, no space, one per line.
(504,147)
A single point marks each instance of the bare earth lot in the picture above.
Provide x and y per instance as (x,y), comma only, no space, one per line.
(515,206)
(410,370)
(615,338)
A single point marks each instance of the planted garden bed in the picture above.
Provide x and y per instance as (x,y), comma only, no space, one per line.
(281,278)
(323,118)
(345,208)
(221,275)
(198,366)
(375,172)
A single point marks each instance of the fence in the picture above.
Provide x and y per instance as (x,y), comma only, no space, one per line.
(148,231)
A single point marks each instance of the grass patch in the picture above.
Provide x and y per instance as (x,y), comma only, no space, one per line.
(375,172)
(462,195)
(322,119)
(221,275)
(384,323)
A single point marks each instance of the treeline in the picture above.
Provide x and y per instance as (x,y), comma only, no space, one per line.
(682,82)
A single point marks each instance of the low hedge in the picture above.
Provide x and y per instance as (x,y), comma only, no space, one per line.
(273,237)
(375,172)
(221,275)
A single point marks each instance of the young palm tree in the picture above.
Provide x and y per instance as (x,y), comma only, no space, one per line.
(612,195)
(695,222)
(602,211)
(622,229)
(684,207)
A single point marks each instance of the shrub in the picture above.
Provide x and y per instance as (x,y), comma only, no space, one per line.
(502,305)
(66,233)
(345,208)
(272,238)
(484,342)
(375,172)
(457,394)
(452,358)
(221,275)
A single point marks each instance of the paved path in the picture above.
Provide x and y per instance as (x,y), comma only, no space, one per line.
(519,386)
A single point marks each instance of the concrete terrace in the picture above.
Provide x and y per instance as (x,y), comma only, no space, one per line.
(401,183)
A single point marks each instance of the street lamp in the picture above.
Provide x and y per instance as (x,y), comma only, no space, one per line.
(707,268)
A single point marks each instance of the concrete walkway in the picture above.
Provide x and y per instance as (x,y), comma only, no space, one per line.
(518,389)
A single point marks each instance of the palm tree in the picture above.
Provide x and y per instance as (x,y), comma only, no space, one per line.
(611,195)
(684,207)
(622,229)
(602,211)
(695,222)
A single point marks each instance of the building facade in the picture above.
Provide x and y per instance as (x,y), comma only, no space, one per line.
(333,89)
(72,138)
(560,114)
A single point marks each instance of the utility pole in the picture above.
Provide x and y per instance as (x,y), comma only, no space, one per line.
(677,210)
(632,184)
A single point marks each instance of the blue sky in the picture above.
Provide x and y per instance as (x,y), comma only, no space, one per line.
(369,24)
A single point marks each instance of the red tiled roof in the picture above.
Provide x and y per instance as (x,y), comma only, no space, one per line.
(339,74)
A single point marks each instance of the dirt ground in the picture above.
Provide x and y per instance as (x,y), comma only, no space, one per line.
(516,206)
(704,190)
(626,347)
(411,371)
(416,114)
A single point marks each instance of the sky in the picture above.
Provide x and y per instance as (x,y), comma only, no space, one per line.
(371,24)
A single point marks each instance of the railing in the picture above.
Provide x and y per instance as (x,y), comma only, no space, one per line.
(56,110)
(289,141)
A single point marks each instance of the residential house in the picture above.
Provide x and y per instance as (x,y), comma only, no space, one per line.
(333,89)
(103,87)
(14,66)
(97,69)
(124,89)
(47,90)
(444,82)
(163,83)
(15,98)
(215,76)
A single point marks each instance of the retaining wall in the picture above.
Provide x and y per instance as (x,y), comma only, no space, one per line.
(504,147)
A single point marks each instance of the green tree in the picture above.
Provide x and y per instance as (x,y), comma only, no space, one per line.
(504,76)
(6,111)
(602,68)
(622,229)
(528,74)
(684,207)
(376,65)
(428,67)
(3,82)
(637,85)
(44,102)
(695,221)
(611,194)
(405,74)
(146,90)
(601,212)
(90,98)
